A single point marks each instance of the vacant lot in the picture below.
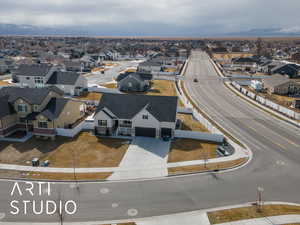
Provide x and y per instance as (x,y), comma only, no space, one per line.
(86,150)
(189,149)
(229,215)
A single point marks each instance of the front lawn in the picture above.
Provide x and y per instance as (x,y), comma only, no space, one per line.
(190,149)
(85,150)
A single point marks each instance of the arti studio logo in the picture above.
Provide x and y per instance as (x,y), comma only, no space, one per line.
(38,207)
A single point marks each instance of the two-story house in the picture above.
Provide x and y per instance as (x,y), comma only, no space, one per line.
(136,115)
(37,110)
(33,75)
(44,75)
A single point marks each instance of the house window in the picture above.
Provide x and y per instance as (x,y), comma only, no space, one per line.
(27,78)
(130,84)
(22,108)
(43,124)
(102,123)
(38,80)
(145,117)
(35,108)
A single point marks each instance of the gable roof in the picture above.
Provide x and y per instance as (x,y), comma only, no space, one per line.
(33,70)
(54,108)
(291,66)
(6,108)
(30,95)
(275,80)
(65,78)
(138,76)
(126,106)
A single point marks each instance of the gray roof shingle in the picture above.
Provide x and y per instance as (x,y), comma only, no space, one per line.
(54,108)
(64,78)
(124,106)
(33,70)
(31,95)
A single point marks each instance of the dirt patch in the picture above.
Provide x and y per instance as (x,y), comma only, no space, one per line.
(190,149)
(229,215)
(207,167)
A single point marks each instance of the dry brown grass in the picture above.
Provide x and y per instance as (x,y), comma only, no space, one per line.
(207,167)
(189,123)
(4,83)
(87,150)
(91,96)
(229,215)
(111,85)
(162,87)
(190,149)
(69,176)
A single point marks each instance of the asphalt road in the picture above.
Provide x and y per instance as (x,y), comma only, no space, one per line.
(112,72)
(275,167)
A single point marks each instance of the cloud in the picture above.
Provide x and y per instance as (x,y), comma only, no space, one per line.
(194,17)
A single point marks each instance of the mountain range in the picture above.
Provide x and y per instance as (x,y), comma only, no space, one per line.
(13,29)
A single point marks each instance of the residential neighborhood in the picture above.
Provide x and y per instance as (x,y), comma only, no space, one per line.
(162,109)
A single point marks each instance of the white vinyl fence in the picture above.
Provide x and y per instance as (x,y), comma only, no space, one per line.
(263,101)
(84,125)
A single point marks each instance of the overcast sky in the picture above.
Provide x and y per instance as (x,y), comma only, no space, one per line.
(157,17)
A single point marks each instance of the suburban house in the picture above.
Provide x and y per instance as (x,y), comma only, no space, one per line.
(33,75)
(69,82)
(43,75)
(134,82)
(39,111)
(279,84)
(292,70)
(150,66)
(73,66)
(244,64)
(136,115)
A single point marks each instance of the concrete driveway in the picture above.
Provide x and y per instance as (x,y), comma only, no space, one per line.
(145,158)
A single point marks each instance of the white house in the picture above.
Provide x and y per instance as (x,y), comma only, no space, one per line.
(44,75)
(136,115)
